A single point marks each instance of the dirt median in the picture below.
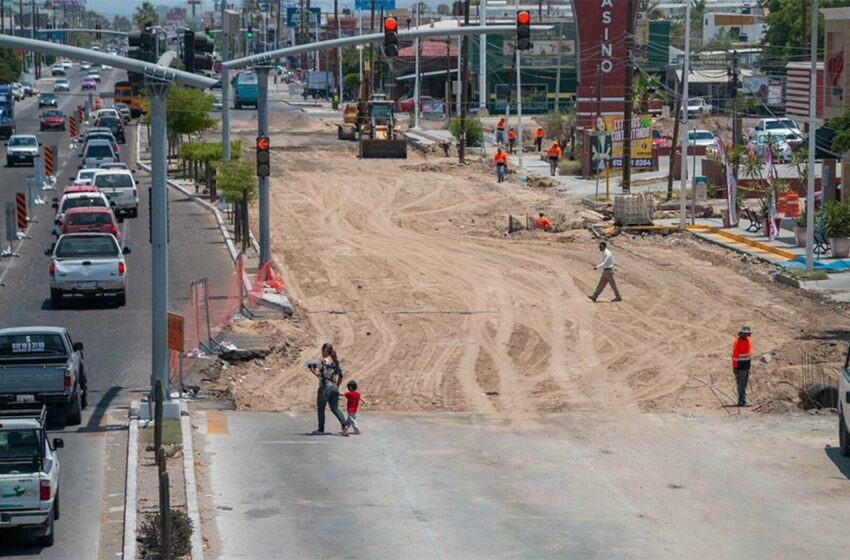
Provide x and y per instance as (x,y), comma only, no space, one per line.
(406,267)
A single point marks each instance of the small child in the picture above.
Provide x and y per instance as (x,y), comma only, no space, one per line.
(353,399)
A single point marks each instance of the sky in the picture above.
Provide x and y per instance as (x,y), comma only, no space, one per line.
(111,8)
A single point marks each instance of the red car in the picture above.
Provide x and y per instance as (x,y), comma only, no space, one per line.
(90,219)
(52,119)
(406,105)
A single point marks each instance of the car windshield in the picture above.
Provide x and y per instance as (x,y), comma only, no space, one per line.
(83,202)
(99,136)
(48,96)
(120,106)
(23,141)
(86,246)
(19,444)
(788,123)
(57,114)
(99,151)
(246,79)
(88,219)
(774,125)
(113,181)
(62,82)
(86,174)
(381,110)
(700,135)
(28,343)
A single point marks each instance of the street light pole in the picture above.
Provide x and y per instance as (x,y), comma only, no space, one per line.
(683,168)
(263,130)
(416,91)
(225,85)
(482,58)
(520,169)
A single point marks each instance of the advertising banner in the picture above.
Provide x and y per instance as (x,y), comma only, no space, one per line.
(641,140)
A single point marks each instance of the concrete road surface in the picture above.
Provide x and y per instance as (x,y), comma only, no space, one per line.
(117,339)
(562,486)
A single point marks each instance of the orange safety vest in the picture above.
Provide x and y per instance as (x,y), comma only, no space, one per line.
(538,133)
(554,152)
(742,351)
(542,223)
(500,125)
(500,158)
(511,134)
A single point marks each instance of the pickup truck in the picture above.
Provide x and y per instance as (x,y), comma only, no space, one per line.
(42,366)
(844,407)
(698,106)
(776,127)
(29,474)
(89,265)
(119,186)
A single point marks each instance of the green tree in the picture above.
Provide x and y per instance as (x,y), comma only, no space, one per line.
(188,111)
(10,66)
(144,15)
(784,34)
(644,88)
(444,10)
(841,125)
(121,23)
(647,7)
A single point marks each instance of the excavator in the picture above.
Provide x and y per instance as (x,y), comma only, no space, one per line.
(372,122)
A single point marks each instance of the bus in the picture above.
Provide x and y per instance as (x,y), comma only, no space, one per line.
(125,93)
(244,89)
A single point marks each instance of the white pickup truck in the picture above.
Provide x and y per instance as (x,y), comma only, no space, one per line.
(844,408)
(89,265)
(29,474)
(780,127)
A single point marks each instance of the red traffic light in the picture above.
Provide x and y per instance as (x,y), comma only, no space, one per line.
(262,143)
(390,24)
(523,17)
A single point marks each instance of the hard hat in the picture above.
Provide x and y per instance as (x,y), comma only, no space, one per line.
(745,329)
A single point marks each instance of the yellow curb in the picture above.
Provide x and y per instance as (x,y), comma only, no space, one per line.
(757,244)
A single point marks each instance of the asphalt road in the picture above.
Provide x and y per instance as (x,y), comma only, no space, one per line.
(117,340)
(582,485)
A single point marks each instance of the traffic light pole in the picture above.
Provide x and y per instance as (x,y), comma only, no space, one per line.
(263,182)
(157,87)
(225,88)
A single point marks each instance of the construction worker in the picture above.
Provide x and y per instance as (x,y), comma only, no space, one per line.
(553,155)
(500,131)
(538,138)
(542,222)
(607,266)
(512,141)
(742,356)
(500,160)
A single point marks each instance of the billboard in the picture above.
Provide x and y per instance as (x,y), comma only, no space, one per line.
(764,88)
(294,15)
(366,5)
(600,45)
(608,140)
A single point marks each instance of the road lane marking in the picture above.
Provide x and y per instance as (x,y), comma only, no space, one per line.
(217,423)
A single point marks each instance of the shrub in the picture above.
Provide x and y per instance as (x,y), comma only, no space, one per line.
(474,136)
(181,536)
(837,220)
(569,167)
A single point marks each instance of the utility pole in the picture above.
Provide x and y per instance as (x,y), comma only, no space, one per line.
(629,102)
(684,167)
(263,184)
(464,90)
(459,92)
(371,51)
(810,188)
(520,168)
(558,68)
(23,52)
(225,85)
(805,44)
(677,106)
(737,136)
(482,58)
(448,77)
(302,36)
(416,88)
(338,61)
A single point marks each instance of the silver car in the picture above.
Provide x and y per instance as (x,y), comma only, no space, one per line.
(97,152)
(21,148)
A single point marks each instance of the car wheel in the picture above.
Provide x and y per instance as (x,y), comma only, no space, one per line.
(56,506)
(843,437)
(47,538)
(9,163)
(122,299)
(134,213)
(55,298)
(74,412)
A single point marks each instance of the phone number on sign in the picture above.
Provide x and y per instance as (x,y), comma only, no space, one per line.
(637,163)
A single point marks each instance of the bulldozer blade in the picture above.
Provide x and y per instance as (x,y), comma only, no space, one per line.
(383,149)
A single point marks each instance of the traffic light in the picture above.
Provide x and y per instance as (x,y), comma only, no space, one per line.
(189,50)
(523,30)
(208,32)
(390,36)
(250,31)
(97,27)
(263,157)
(196,51)
(141,48)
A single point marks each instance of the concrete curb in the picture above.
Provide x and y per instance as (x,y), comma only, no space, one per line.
(191,485)
(130,492)
(787,280)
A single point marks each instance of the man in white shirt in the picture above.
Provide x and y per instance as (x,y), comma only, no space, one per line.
(607,266)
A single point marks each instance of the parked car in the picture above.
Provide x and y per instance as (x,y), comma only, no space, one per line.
(7,127)
(783,126)
(781,150)
(47,100)
(699,137)
(21,148)
(115,124)
(29,468)
(96,152)
(62,85)
(42,366)
(657,139)
(119,186)
(407,104)
(88,84)
(844,408)
(52,119)
(57,70)
(91,219)
(88,265)
(698,106)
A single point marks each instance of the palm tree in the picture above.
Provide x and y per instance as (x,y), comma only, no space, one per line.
(646,7)
(644,88)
